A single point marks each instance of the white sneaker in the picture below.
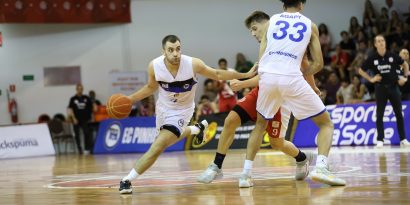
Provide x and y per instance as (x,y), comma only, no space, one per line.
(211,173)
(379,144)
(302,168)
(323,175)
(245,181)
(404,143)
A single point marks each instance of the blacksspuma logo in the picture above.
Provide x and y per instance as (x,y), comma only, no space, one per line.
(113,135)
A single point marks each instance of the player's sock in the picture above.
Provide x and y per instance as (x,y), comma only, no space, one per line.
(194,130)
(247,167)
(300,157)
(131,176)
(321,161)
(219,159)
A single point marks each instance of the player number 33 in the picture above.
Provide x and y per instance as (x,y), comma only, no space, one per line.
(284,26)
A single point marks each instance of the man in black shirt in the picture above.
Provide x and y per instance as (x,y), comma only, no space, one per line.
(80,110)
(384,65)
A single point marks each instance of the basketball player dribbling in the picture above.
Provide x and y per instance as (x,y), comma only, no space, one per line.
(174,75)
(281,80)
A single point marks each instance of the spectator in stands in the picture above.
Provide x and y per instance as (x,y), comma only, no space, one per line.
(370,12)
(331,87)
(354,27)
(340,62)
(205,107)
(325,42)
(361,55)
(344,94)
(59,116)
(359,91)
(226,97)
(383,20)
(369,28)
(80,109)
(347,44)
(210,89)
(242,64)
(394,22)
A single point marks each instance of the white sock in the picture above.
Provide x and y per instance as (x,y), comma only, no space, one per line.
(321,161)
(194,130)
(131,176)
(247,167)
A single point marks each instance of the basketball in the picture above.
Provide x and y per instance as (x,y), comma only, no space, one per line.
(119,106)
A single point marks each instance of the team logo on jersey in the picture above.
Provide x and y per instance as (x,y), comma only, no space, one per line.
(376,62)
(186,86)
(242,99)
(164,85)
(112,136)
(391,59)
(181,122)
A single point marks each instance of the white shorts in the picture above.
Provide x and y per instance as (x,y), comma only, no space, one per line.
(176,118)
(292,91)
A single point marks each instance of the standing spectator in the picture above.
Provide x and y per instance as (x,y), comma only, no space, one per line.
(226,97)
(383,20)
(80,109)
(370,12)
(369,27)
(385,65)
(242,64)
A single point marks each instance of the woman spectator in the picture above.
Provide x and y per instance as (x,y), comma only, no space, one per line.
(325,42)
(242,64)
(359,91)
(354,27)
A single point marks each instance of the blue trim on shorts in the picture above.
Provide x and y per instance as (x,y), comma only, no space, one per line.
(314,115)
(264,116)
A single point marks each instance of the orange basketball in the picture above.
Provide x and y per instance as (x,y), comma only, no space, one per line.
(119,106)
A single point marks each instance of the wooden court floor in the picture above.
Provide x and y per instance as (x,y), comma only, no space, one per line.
(374,176)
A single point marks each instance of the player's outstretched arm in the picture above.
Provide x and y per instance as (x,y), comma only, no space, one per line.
(217,74)
(315,51)
(148,89)
(237,85)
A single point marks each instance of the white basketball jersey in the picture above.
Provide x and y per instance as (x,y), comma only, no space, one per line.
(178,92)
(287,38)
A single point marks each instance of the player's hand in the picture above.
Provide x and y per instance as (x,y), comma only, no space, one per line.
(402,80)
(376,78)
(236,85)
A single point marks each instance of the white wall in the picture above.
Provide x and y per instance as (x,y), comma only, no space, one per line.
(208,29)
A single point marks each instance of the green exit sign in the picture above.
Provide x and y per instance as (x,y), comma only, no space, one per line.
(28,77)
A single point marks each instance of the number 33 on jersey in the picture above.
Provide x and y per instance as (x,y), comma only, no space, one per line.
(287,38)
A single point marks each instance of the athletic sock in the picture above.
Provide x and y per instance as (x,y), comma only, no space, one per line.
(219,159)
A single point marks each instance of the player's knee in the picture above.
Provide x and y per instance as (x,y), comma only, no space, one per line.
(232,121)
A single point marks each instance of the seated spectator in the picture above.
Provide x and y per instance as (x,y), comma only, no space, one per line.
(354,27)
(59,116)
(347,44)
(147,107)
(359,91)
(404,85)
(344,94)
(340,62)
(383,21)
(210,89)
(361,55)
(226,97)
(331,87)
(205,107)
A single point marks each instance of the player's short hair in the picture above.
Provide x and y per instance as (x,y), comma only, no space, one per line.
(257,16)
(292,3)
(169,38)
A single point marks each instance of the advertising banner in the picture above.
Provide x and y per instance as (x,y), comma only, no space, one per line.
(25,141)
(354,125)
(129,135)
